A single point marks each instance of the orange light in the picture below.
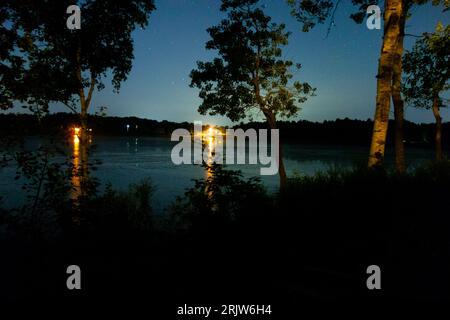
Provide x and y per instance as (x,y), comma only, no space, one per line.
(76,135)
(211,132)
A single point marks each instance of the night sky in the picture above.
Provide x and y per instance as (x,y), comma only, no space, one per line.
(342,67)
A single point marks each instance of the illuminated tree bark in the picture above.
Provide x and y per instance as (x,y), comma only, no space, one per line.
(394,10)
(312,12)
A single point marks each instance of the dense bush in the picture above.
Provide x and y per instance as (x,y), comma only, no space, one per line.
(223,198)
(119,211)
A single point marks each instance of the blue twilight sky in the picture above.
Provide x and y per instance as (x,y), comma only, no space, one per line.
(342,67)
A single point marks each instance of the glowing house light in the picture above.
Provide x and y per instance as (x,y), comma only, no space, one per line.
(76,135)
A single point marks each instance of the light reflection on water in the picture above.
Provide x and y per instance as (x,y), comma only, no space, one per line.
(76,179)
(126,160)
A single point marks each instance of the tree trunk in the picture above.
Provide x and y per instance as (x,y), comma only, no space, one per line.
(84,136)
(281,170)
(84,150)
(400,161)
(438,138)
(271,120)
(392,14)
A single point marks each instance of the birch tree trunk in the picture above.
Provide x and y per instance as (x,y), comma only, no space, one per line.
(392,15)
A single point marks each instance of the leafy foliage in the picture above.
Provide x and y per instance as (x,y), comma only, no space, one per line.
(119,211)
(312,12)
(427,69)
(11,62)
(221,198)
(45,181)
(249,72)
(60,63)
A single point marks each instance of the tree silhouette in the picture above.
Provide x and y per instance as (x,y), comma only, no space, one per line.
(65,65)
(249,73)
(11,62)
(427,72)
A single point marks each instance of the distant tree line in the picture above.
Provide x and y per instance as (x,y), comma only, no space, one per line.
(29,124)
(337,132)
(352,132)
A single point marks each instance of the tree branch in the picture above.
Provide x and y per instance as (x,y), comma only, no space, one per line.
(70,107)
(332,19)
(91,90)
(412,35)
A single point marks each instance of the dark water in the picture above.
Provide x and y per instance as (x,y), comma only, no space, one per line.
(128,160)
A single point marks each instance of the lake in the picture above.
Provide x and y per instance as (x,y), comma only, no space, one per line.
(126,160)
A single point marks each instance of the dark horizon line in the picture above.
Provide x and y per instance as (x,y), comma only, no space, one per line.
(247,122)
